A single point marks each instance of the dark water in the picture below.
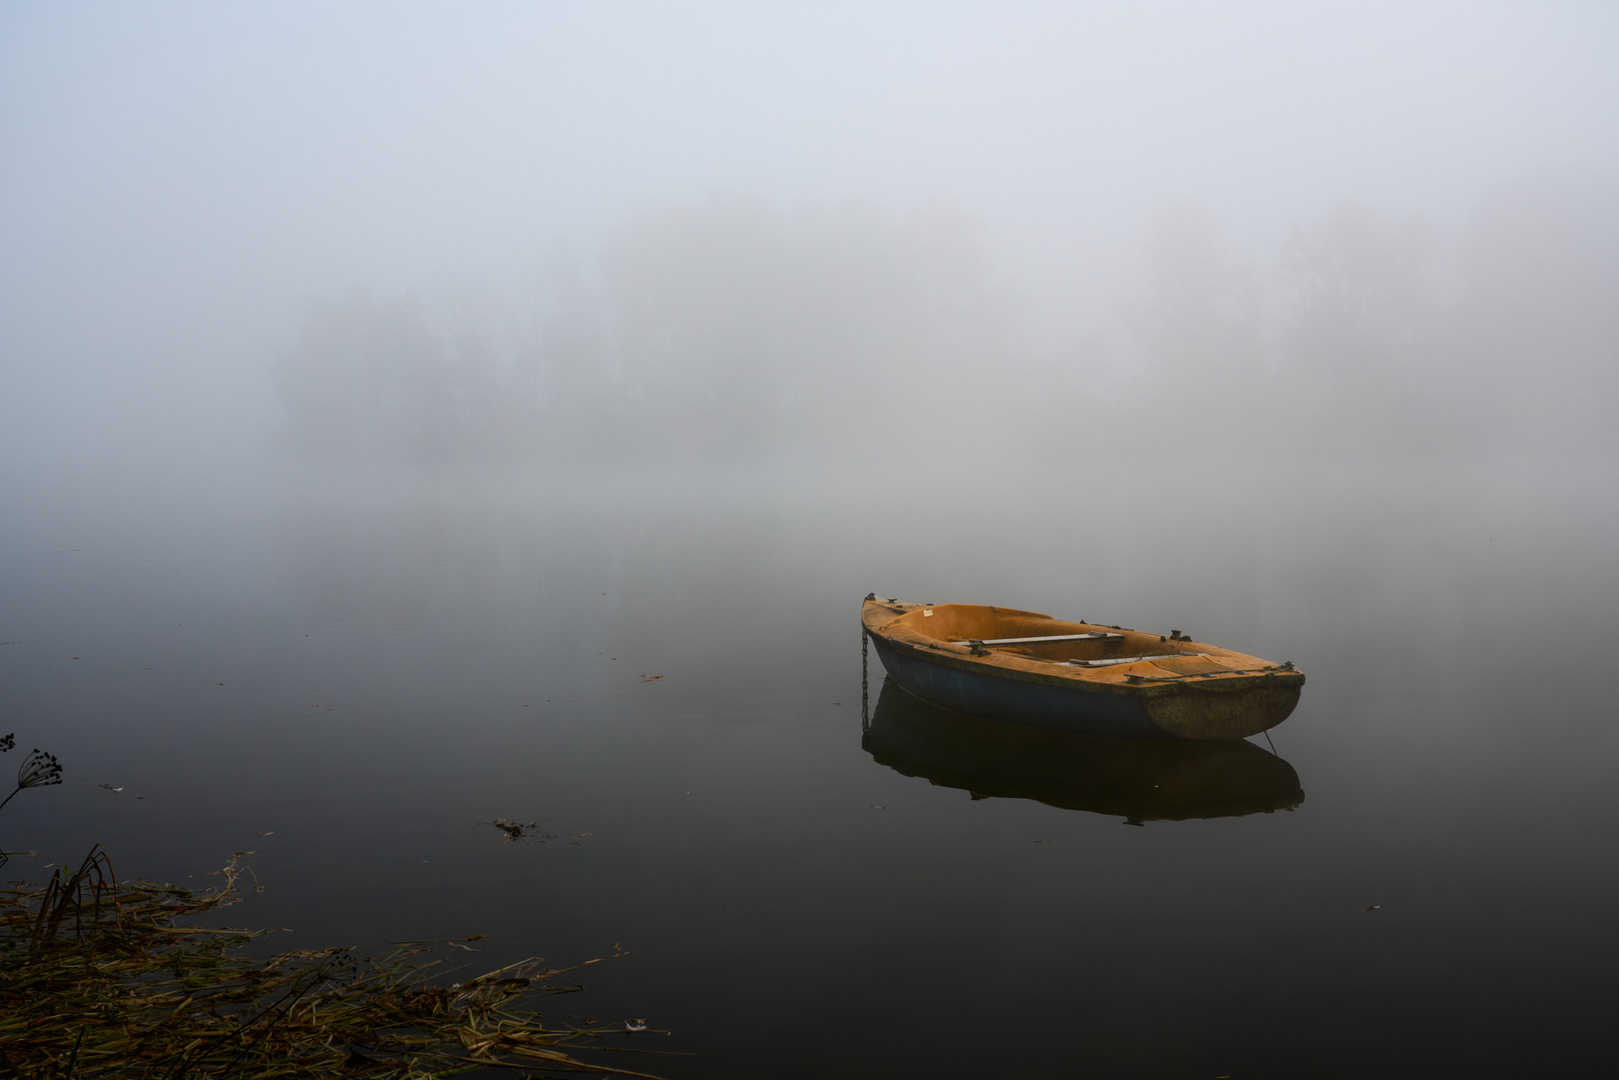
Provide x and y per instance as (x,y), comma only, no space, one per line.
(366,669)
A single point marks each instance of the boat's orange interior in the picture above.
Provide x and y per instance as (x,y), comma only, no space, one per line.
(959,622)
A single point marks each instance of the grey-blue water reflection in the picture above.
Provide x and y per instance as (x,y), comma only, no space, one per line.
(1141,780)
(349,677)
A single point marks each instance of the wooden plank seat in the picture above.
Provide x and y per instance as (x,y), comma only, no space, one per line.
(1094,635)
(1132,659)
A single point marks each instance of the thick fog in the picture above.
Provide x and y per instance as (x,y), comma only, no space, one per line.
(515,235)
(421,416)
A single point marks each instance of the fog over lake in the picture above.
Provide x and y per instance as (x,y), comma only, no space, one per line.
(422,414)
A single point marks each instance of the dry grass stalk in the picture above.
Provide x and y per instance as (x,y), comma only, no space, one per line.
(98,980)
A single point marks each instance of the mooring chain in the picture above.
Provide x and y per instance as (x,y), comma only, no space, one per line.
(865,694)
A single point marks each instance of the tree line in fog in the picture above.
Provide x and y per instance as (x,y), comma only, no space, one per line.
(731,329)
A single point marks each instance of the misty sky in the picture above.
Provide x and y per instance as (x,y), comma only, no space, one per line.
(175,179)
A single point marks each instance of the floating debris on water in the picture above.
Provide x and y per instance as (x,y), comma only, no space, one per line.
(521,832)
(118,790)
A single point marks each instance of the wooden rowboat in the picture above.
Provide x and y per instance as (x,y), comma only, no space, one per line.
(1138,780)
(1089,678)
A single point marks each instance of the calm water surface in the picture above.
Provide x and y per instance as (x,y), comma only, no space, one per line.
(354,676)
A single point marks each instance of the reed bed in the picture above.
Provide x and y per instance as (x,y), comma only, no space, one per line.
(100,978)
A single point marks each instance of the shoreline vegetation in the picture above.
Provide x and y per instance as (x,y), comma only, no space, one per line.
(99,977)
(102,978)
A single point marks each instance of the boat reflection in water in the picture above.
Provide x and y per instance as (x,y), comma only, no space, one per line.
(1137,780)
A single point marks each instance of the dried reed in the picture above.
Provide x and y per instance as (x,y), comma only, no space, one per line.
(98,979)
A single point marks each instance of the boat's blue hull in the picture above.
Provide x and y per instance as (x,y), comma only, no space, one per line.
(1061,708)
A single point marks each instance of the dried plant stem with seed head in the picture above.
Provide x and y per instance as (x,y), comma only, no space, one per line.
(97,979)
(38,769)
